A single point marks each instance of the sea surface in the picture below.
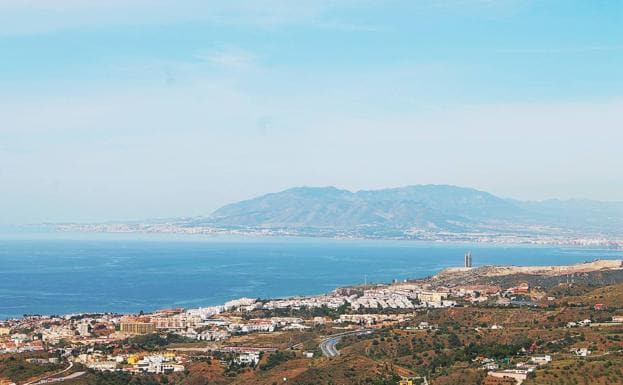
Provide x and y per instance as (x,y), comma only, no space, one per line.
(73,273)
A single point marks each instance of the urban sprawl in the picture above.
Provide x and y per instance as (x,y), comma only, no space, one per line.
(79,343)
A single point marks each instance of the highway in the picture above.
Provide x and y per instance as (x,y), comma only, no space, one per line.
(327,346)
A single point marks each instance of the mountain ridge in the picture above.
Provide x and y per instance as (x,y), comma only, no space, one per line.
(416,212)
(434,207)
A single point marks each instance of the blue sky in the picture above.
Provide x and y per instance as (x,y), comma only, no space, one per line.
(116,110)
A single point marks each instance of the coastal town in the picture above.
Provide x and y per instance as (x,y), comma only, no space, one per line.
(530,235)
(248,335)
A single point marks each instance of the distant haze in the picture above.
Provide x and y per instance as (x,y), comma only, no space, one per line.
(118,110)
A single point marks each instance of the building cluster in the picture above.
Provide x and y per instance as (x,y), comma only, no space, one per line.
(217,323)
(247,358)
(266,325)
(382,297)
(395,296)
(38,333)
(241,355)
(530,234)
(386,297)
(20,343)
(331,301)
(196,324)
(522,370)
(169,320)
(160,363)
(579,324)
(401,296)
(373,319)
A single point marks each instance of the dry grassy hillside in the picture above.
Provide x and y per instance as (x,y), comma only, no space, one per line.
(610,295)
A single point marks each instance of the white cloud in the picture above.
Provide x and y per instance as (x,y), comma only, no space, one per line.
(230,58)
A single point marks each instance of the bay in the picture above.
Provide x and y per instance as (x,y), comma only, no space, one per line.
(74,273)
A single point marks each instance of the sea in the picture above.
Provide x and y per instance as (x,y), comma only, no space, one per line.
(65,273)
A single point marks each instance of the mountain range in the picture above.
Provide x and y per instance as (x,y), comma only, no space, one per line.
(415,210)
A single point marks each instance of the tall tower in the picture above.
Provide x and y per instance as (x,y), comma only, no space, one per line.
(468,259)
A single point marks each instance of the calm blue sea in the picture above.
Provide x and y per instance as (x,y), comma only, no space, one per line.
(67,273)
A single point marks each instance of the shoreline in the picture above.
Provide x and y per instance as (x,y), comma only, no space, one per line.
(227,237)
(489,271)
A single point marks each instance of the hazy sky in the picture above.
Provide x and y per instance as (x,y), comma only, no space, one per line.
(117,109)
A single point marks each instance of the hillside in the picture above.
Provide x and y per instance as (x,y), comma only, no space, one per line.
(611,295)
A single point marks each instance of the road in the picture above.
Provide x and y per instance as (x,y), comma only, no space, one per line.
(327,346)
(49,380)
(53,378)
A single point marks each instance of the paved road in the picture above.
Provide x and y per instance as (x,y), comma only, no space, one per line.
(71,365)
(327,346)
(53,377)
(72,376)
(60,379)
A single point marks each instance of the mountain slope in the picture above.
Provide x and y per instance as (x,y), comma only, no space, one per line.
(439,206)
(296,207)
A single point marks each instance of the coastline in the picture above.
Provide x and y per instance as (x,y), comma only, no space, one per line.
(206,271)
(75,233)
(458,275)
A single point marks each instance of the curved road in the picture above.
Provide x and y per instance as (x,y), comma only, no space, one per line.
(53,378)
(327,346)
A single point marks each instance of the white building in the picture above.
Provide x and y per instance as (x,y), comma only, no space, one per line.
(541,360)
(248,358)
(518,375)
